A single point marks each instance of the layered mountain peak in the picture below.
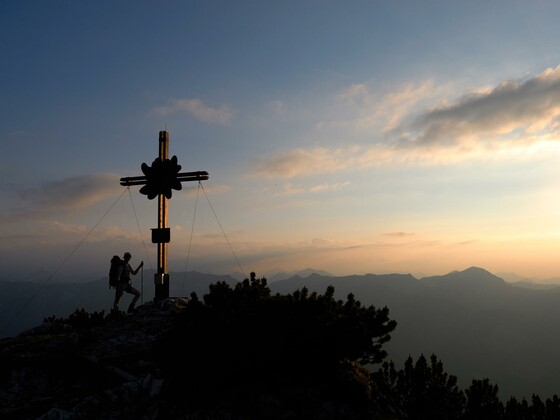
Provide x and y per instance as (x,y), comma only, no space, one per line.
(472,275)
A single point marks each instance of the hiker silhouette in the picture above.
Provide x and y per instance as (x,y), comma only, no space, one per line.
(124,283)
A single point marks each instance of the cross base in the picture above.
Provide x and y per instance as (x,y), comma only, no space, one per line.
(161,281)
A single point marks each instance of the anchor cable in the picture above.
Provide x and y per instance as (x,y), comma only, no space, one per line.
(140,230)
(34,295)
(223,232)
(190,241)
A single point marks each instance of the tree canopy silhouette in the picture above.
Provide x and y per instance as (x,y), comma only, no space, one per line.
(422,390)
(245,334)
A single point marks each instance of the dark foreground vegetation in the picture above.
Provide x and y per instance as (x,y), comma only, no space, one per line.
(239,353)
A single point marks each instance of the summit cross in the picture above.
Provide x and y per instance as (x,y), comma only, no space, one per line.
(158,181)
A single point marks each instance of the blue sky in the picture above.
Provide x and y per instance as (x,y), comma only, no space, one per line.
(353,137)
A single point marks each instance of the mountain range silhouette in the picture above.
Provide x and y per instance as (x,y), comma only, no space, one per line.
(478,324)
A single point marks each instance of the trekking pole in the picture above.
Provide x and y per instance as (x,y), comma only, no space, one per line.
(142,286)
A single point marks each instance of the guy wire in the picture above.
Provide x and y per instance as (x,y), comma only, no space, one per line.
(34,295)
(190,241)
(224,233)
(140,230)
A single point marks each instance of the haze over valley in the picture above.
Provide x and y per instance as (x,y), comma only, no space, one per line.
(475,322)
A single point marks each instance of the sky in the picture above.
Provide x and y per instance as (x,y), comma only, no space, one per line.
(349,136)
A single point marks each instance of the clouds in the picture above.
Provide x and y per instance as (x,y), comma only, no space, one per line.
(302,162)
(322,160)
(211,189)
(336,186)
(343,256)
(72,193)
(386,111)
(64,197)
(421,124)
(514,111)
(398,234)
(288,188)
(198,109)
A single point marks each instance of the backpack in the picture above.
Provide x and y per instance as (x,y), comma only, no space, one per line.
(114,271)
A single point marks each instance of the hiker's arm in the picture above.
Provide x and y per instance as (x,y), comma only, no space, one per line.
(138,268)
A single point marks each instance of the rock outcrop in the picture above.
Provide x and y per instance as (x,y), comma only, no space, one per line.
(56,371)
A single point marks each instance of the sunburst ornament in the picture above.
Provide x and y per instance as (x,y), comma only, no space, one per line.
(161,177)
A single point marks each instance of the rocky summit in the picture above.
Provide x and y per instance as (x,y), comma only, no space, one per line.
(64,371)
(96,366)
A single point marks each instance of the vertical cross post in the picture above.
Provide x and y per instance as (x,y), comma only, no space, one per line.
(158,181)
(161,279)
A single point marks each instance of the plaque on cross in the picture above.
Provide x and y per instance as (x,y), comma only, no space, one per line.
(158,181)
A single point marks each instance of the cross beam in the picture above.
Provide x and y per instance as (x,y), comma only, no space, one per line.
(182,177)
(158,181)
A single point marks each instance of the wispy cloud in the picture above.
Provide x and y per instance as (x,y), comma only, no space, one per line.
(277,107)
(388,110)
(64,196)
(513,111)
(211,189)
(198,109)
(288,188)
(399,234)
(465,243)
(72,193)
(329,187)
(56,232)
(301,162)
(60,227)
(512,119)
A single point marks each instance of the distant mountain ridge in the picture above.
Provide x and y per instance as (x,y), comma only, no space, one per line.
(530,283)
(469,276)
(478,324)
(277,275)
(475,322)
(28,303)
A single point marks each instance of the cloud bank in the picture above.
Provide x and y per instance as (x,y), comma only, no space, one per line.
(513,111)
(388,111)
(198,109)
(301,162)
(64,196)
(490,123)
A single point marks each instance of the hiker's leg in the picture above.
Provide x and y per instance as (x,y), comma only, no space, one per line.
(118,294)
(136,294)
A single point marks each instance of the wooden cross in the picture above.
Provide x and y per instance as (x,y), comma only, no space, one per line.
(158,180)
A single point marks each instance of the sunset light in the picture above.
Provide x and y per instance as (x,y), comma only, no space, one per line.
(320,146)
